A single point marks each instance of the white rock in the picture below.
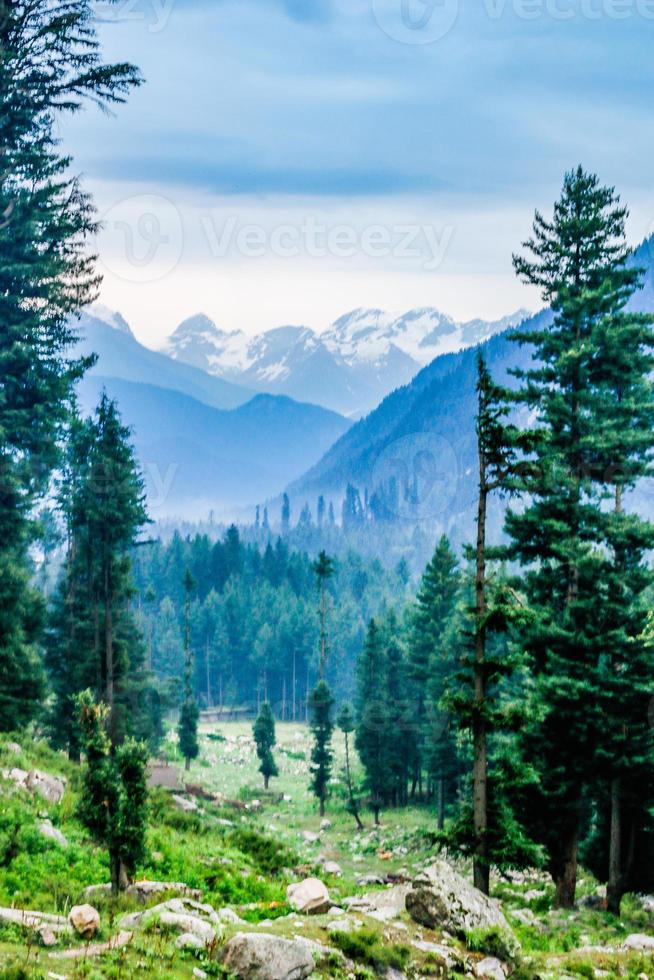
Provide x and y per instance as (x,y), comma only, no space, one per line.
(309,837)
(52,833)
(200,974)
(14,747)
(189,923)
(441,899)
(309,896)
(188,940)
(49,788)
(85,920)
(490,968)
(325,824)
(230,916)
(47,936)
(332,868)
(639,941)
(258,956)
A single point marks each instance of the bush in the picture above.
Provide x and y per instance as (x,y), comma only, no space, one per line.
(366,946)
(266,854)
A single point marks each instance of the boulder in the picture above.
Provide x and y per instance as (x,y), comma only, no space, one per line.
(188,940)
(85,920)
(490,969)
(47,936)
(332,868)
(439,898)
(58,924)
(325,824)
(309,896)
(639,941)
(259,956)
(13,747)
(49,788)
(365,881)
(193,924)
(145,890)
(309,837)
(52,833)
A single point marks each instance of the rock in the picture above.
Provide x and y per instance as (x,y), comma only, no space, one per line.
(14,747)
(447,957)
(188,940)
(335,911)
(441,899)
(49,788)
(325,825)
(189,923)
(639,941)
(85,920)
(258,956)
(647,902)
(332,868)
(47,936)
(365,881)
(145,890)
(525,917)
(36,920)
(309,837)
(229,916)
(309,896)
(187,806)
(184,911)
(490,968)
(96,949)
(200,974)
(52,833)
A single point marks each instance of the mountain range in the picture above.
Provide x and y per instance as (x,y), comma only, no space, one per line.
(349,368)
(203,444)
(414,456)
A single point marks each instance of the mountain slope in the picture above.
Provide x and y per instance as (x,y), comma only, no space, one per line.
(197,458)
(349,368)
(415,455)
(120,355)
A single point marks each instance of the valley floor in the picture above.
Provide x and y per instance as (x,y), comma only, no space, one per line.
(241,849)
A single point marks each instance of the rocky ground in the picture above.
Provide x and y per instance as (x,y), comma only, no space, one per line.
(251,885)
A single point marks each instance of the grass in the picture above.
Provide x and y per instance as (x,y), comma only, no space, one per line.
(245,858)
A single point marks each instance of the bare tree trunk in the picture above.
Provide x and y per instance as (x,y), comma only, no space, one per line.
(481,867)
(441,803)
(614,887)
(348,771)
(109,651)
(565,870)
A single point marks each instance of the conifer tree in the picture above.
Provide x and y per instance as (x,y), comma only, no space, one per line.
(114,804)
(429,656)
(324,570)
(373,736)
(321,704)
(580,261)
(49,66)
(265,738)
(190,713)
(346,723)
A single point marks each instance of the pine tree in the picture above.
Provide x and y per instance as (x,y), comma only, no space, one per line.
(321,704)
(324,570)
(286,514)
(428,653)
(373,735)
(580,261)
(50,65)
(190,713)
(93,640)
(264,736)
(114,804)
(346,723)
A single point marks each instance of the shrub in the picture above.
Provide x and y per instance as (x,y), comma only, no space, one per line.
(365,945)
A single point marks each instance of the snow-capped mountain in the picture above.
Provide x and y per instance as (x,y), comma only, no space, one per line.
(349,368)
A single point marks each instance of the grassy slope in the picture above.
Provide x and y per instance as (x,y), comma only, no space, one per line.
(249,864)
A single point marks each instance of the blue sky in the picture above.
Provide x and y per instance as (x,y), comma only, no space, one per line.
(363,118)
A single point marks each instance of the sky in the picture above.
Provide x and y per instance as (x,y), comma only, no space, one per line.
(288,160)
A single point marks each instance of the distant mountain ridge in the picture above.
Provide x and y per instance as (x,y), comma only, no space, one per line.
(349,368)
(414,456)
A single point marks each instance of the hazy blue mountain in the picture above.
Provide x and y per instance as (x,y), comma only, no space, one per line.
(349,368)
(120,355)
(197,458)
(415,455)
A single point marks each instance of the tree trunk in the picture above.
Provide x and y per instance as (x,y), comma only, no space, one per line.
(322,806)
(441,803)
(353,802)
(187,765)
(564,871)
(614,887)
(109,651)
(266,780)
(118,872)
(481,867)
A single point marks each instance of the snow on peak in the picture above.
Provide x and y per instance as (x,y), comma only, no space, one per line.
(112,319)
